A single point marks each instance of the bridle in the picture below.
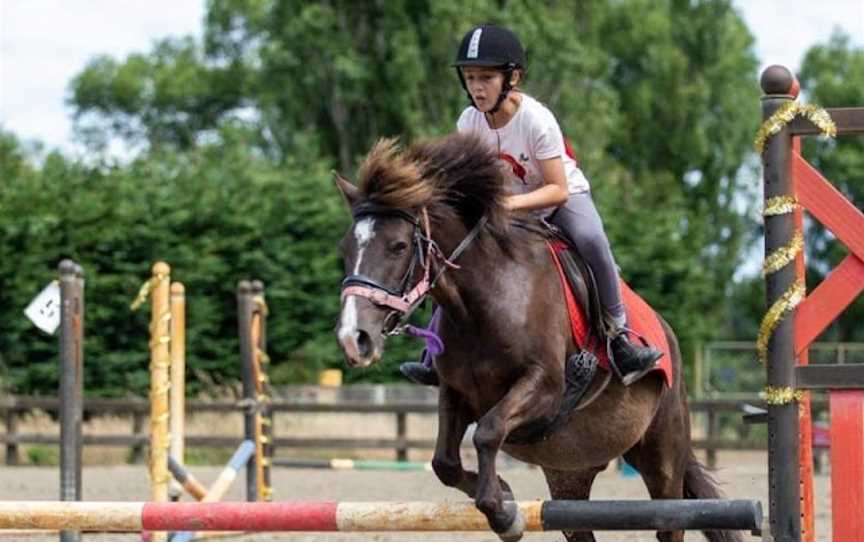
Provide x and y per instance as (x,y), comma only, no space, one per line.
(426,254)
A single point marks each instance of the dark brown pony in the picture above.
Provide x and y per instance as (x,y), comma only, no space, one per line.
(506,332)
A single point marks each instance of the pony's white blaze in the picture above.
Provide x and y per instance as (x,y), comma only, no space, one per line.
(364,232)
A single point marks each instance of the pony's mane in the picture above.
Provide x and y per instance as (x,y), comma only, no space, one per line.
(454,176)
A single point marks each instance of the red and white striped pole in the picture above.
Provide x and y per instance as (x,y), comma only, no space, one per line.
(662,515)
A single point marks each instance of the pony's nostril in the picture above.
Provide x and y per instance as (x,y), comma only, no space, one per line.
(364,344)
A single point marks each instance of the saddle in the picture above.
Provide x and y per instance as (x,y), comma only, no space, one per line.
(587,371)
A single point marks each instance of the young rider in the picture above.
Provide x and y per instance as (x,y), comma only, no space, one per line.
(490,64)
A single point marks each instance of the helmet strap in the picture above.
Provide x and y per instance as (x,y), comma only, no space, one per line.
(465,87)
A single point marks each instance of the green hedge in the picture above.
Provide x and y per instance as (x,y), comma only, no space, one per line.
(216,215)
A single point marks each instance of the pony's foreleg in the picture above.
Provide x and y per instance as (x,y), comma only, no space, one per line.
(535,396)
(453,420)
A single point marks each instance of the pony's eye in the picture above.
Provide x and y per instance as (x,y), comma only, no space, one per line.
(398,247)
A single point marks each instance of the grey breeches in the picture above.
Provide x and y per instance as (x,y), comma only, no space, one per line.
(579,220)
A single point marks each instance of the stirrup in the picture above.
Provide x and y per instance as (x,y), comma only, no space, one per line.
(631,376)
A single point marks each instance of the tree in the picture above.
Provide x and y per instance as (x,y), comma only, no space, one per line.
(167,97)
(832,75)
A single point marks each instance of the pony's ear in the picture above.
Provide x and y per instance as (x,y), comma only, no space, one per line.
(350,193)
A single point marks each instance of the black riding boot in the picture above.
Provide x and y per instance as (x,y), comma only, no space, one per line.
(420,373)
(632,361)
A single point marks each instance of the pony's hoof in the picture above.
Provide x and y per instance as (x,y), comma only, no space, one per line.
(517,528)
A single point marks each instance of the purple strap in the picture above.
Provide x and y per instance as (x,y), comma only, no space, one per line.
(434,344)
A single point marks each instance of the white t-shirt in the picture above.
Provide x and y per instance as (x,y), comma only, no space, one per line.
(532,134)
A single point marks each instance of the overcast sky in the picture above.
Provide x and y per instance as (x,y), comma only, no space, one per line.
(44,43)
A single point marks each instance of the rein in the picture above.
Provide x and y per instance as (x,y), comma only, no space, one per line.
(426,254)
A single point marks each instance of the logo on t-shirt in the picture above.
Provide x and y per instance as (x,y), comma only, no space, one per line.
(518,169)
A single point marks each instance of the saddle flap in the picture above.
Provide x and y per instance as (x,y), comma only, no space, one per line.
(587,319)
(588,325)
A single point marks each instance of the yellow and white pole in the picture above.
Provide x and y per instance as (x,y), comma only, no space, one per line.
(160,359)
(177,418)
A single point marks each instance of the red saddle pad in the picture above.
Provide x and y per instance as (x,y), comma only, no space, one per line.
(640,317)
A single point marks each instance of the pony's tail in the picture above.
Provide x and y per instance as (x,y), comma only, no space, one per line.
(700,484)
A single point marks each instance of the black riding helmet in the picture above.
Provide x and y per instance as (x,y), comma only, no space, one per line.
(490,46)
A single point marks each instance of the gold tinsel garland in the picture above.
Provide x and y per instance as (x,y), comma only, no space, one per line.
(787,302)
(144,292)
(784,115)
(781,396)
(783,256)
(780,205)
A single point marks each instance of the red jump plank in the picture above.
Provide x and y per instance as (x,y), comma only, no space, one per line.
(827,301)
(288,516)
(847,465)
(829,205)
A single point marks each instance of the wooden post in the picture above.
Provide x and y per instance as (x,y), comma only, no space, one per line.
(137,428)
(783,465)
(401,434)
(263,420)
(247,354)
(177,419)
(160,362)
(71,384)
(11,420)
(698,389)
(711,451)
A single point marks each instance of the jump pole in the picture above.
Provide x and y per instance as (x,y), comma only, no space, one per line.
(257,422)
(186,480)
(784,489)
(244,324)
(352,464)
(177,397)
(158,287)
(71,384)
(223,483)
(659,515)
(263,418)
